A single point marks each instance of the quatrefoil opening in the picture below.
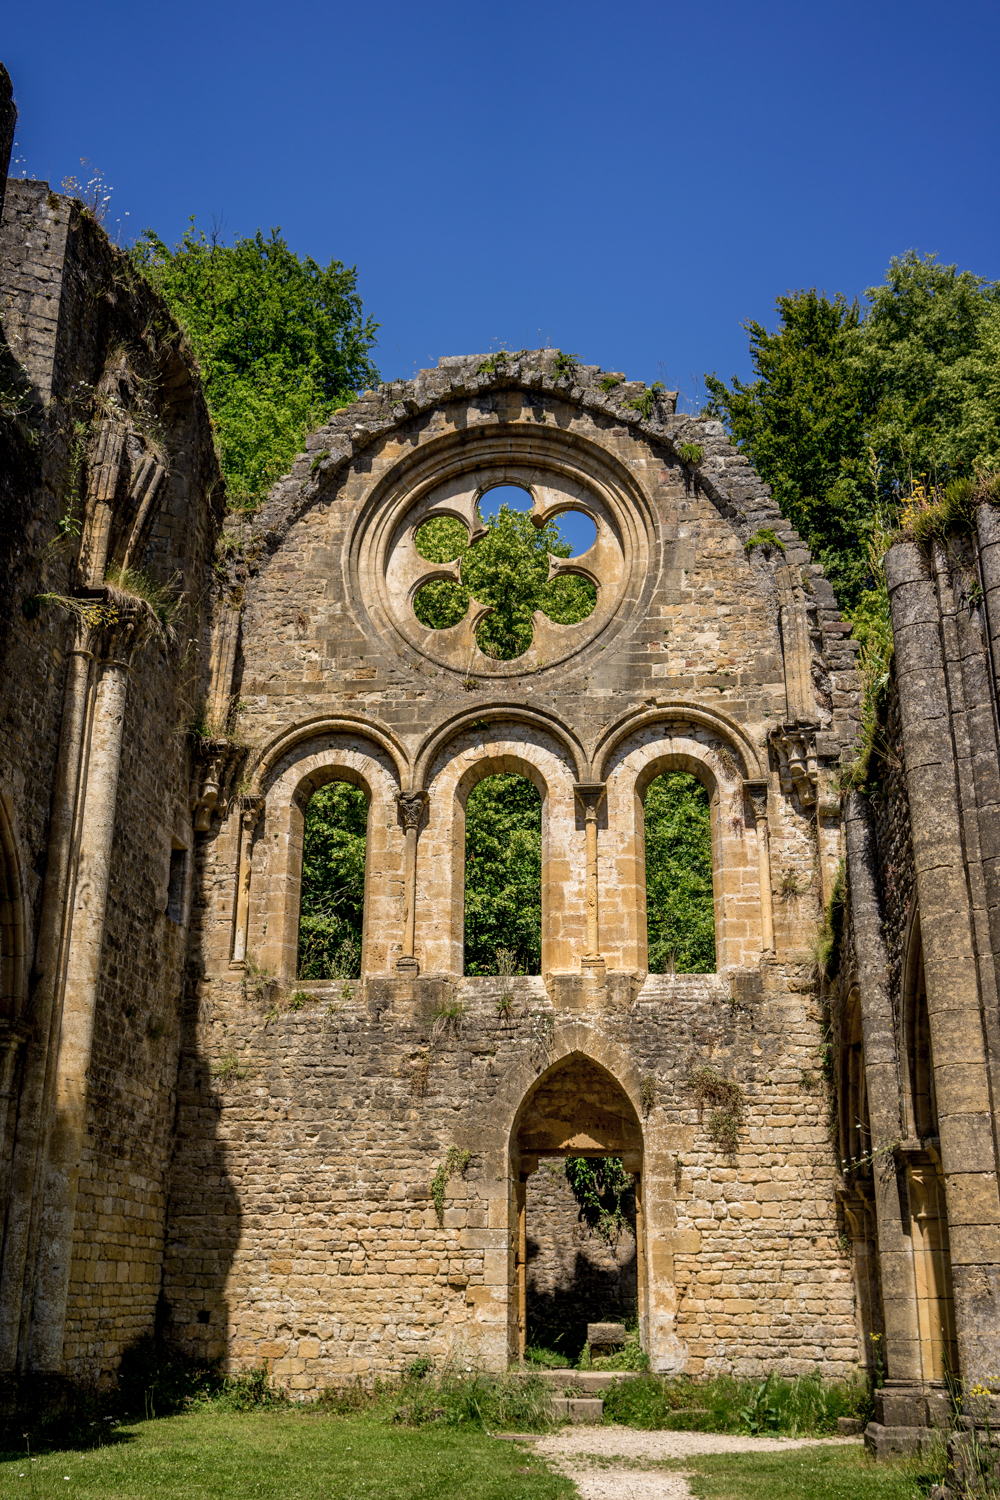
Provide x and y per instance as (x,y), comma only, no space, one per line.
(494,599)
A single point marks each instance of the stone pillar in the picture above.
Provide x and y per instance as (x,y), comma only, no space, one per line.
(591,794)
(8,124)
(640,1265)
(950,960)
(902,1338)
(50,953)
(411,809)
(522,1264)
(65,1147)
(757,792)
(249,818)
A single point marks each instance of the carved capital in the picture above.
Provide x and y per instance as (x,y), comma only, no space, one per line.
(212,782)
(251,809)
(757,792)
(794,746)
(411,806)
(591,795)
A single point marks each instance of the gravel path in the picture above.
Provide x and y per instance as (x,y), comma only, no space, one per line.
(610,1463)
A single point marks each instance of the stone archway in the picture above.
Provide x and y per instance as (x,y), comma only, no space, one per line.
(576,1108)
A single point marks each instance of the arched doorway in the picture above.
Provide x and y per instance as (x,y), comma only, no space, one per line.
(575,1110)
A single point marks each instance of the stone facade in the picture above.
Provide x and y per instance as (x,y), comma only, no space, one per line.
(95,772)
(336,1177)
(312,1117)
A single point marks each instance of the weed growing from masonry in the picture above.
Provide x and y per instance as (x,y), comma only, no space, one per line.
(726,1100)
(767,538)
(455,1161)
(599,1187)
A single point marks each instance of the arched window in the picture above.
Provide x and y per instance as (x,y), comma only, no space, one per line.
(331,916)
(503,877)
(680,913)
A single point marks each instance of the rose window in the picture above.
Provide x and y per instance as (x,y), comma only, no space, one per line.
(504,573)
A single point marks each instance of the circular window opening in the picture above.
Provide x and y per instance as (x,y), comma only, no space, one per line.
(507,569)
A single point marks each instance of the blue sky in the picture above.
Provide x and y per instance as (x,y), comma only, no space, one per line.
(627,182)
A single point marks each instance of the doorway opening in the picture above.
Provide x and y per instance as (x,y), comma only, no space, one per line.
(580,1259)
(581,1255)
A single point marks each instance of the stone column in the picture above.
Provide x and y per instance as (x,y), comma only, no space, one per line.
(950,959)
(65,1148)
(903,1399)
(411,809)
(642,1310)
(50,952)
(757,792)
(249,818)
(591,794)
(860,1220)
(522,1264)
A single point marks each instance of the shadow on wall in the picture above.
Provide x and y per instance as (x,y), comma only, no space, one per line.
(204,1218)
(575,1276)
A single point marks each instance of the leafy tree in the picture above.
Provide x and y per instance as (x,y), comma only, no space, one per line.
(680,913)
(282,343)
(333,883)
(850,409)
(508,568)
(802,423)
(927,347)
(503,874)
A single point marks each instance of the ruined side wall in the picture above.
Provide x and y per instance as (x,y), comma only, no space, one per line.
(69,298)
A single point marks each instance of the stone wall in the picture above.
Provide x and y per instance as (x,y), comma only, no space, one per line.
(95,794)
(312,1119)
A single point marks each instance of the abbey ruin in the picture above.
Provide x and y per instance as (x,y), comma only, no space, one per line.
(338,1176)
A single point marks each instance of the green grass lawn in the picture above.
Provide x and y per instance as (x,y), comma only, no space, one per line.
(294,1455)
(807,1474)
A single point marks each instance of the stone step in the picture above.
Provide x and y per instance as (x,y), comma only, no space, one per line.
(578,1408)
(581,1380)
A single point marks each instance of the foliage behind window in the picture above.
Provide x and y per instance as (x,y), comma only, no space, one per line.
(679,899)
(503,874)
(507,568)
(333,883)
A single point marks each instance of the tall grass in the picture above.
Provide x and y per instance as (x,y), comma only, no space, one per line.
(798,1406)
(454,1398)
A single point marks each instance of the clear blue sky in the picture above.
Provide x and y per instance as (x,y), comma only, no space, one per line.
(626,182)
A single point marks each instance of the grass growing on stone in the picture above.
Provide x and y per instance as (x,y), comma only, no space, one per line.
(835,1473)
(294,1454)
(802,1405)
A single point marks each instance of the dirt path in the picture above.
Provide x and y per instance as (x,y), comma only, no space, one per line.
(613,1463)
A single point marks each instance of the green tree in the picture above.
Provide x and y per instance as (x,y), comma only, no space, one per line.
(282,342)
(850,408)
(680,913)
(927,348)
(508,569)
(333,883)
(803,425)
(503,874)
